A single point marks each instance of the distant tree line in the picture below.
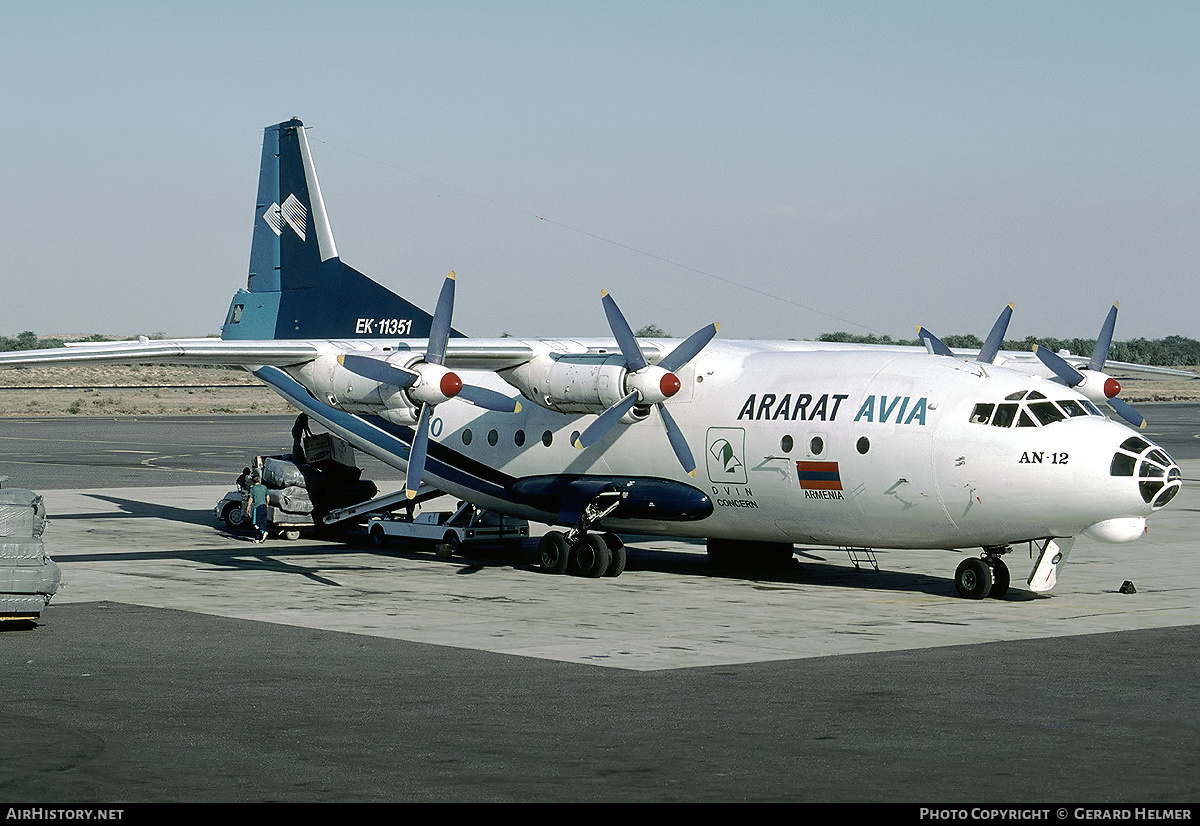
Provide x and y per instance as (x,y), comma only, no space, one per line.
(28,340)
(1172,351)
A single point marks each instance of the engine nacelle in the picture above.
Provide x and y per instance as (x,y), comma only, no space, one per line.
(338,387)
(583,383)
(1097,386)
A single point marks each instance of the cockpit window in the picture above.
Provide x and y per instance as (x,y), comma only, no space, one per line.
(982,413)
(1029,408)
(1072,408)
(1046,412)
(1005,414)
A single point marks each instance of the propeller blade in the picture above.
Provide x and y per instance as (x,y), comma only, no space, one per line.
(489,399)
(439,328)
(416,455)
(1058,365)
(678,442)
(378,370)
(621,331)
(933,343)
(1104,341)
(605,422)
(1126,412)
(689,348)
(995,339)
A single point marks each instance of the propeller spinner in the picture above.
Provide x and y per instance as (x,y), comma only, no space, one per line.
(1092,381)
(647,384)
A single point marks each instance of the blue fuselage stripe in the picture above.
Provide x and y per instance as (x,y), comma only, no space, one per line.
(390,444)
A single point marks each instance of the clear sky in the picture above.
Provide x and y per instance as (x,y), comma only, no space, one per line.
(785,168)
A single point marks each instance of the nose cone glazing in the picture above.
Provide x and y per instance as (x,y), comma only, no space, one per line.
(1158,476)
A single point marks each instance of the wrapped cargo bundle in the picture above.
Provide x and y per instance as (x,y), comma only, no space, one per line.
(329,480)
(28,577)
(291,499)
(22,513)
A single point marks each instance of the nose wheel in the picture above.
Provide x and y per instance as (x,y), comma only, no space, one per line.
(982,577)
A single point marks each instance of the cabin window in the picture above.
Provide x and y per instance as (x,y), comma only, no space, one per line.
(519,438)
(863,445)
(785,444)
(816,446)
(493,437)
(547,438)
(466,436)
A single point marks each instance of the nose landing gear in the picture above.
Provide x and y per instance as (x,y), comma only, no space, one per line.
(985,576)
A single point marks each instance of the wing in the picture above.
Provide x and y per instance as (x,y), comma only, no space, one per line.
(463,353)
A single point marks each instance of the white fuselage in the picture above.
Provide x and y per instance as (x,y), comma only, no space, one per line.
(857,448)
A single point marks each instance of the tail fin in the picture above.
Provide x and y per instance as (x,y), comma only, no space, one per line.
(298,287)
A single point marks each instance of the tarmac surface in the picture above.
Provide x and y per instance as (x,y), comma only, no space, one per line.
(181,662)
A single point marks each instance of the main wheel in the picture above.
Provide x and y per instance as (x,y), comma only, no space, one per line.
(1000,577)
(617,549)
(973,579)
(590,556)
(554,553)
(234,515)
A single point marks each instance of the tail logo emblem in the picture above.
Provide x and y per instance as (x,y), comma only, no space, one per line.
(293,213)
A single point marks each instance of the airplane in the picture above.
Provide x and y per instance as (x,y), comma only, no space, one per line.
(753,446)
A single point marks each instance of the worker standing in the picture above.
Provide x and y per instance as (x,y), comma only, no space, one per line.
(256,507)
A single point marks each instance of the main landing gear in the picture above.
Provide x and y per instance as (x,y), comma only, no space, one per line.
(983,576)
(582,553)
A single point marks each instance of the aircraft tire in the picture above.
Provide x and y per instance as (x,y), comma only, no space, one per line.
(1000,578)
(553,553)
(616,549)
(973,579)
(590,556)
